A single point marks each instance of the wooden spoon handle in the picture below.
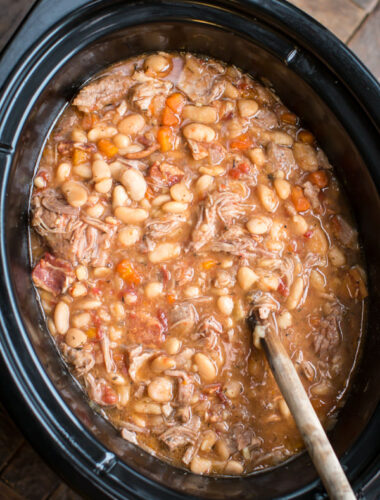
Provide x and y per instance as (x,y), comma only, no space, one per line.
(313,434)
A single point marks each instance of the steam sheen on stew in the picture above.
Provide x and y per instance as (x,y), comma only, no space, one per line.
(175,196)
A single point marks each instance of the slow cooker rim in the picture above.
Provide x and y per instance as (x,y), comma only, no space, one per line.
(2,243)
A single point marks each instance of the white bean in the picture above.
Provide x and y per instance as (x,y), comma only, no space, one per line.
(209,440)
(284,320)
(200,114)
(206,367)
(246,278)
(83,171)
(222,449)
(148,408)
(100,170)
(96,210)
(295,294)
(162,363)
(124,394)
(267,198)
(39,182)
(174,207)
(119,197)
(132,124)
(281,138)
(234,468)
(231,91)
(160,390)
(135,184)
(78,135)
(191,291)
(103,186)
(337,257)
(129,236)
(172,345)
(156,63)
(305,156)
(121,141)
(62,317)
(101,131)
(179,192)
(225,305)
(299,225)
(160,200)
(257,156)
(75,337)
(259,225)
(198,132)
(78,290)
(63,172)
(164,251)
(131,215)
(233,389)
(81,273)
(317,280)
(200,465)
(282,188)
(247,107)
(75,193)
(203,183)
(153,289)
(81,320)
(268,282)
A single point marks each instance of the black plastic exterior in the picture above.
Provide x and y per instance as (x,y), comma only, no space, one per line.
(58,48)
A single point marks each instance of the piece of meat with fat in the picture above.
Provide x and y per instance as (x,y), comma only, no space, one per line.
(312,194)
(137,358)
(82,360)
(281,158)
(180,435)
(100,391)
(198,80)
(344,232)
(144,328)
(70,235)
(52,274)
(185,385)
(237,241)
(148,88)
(164,175)
(183,318)
(156,229)
(99,93)
(328,336)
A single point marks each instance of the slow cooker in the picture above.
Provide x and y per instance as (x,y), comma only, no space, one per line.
(59,47)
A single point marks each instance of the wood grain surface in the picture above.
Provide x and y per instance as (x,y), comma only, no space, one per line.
(23,475)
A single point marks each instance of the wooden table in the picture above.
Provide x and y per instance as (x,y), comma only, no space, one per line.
(23,475)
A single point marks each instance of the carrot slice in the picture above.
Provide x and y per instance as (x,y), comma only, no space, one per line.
(241,142)
(176,102)
(107,147)
(299,200)
(127,272)
(319,178)
(165,138)
(169,118)
(79,156)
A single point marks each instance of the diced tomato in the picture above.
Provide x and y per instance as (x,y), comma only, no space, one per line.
(309,233)
(110,396)
(299,200)
(283,288)
(319,178)
(238,171)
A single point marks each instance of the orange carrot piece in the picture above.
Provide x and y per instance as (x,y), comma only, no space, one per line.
(241,142)
(208,264)
(299,200)
(127,272)
(79,156)
(107,147)
(165,138)
(319,178)
(91,333)
(176,102)
(171,298)
(169,118)
(306,137)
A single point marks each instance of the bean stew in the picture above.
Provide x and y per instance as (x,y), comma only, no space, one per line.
(175,196)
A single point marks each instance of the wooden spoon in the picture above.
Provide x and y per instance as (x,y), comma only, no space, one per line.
(313,434)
